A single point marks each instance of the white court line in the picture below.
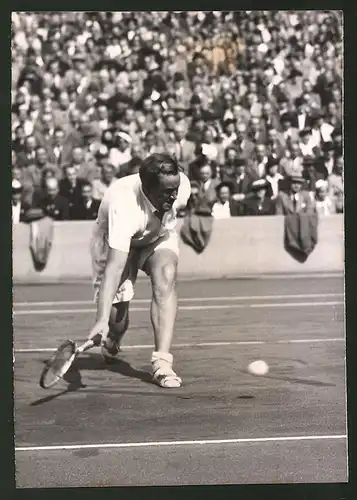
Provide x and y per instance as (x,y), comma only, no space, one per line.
(186,308)
(180,443)
(202,344)
(184,299)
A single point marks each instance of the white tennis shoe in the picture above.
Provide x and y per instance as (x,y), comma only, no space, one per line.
(162,372)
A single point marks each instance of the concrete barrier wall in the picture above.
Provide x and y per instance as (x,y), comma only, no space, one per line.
(238,247)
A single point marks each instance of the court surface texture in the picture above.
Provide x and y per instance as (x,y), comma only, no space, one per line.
(110,426)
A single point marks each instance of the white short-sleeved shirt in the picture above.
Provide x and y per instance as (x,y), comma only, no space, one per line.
(126,216)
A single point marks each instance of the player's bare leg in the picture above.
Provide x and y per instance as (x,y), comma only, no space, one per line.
(162,269)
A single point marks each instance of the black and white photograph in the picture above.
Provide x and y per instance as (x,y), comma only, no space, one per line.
(207,346)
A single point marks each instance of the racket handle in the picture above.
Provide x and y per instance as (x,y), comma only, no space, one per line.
(90,343)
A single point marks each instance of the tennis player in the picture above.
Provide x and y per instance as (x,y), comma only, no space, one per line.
(135,229)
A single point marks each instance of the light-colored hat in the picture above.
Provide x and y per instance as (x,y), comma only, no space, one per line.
(126,137)
(321,184)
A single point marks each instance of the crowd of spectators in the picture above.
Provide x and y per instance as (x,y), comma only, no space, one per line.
(244,100)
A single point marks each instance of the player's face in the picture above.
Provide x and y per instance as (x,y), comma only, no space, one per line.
(164,194)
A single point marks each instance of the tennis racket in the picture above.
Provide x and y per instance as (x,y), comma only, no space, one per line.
(61,361)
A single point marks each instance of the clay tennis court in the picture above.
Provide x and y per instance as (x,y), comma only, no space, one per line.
(110,426)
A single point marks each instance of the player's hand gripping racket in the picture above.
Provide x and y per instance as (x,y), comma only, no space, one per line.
(61,361)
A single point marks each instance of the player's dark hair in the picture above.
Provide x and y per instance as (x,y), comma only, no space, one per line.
(154,166)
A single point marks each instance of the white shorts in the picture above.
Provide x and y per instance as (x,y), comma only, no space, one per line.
(136,260)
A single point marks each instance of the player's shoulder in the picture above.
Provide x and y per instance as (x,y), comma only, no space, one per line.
(185,181)
(124,187)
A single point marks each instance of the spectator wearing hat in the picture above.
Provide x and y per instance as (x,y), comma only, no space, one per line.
(259,203)
(85,207)
(336,184)
(296,199)
(101,185)
(121,152)
(273,176)
(225,206)
(324,204)
(50,201)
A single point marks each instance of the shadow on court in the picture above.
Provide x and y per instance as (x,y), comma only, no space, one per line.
(92,363)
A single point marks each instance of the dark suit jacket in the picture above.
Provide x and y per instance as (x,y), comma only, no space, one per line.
(253,206)
(23,159)
(66,155)
(71,194)
(209,195)
(57,208)
(240,186)
(235,208)
(285,206)
(81,212)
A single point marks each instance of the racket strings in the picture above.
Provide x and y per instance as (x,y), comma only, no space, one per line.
(58,364)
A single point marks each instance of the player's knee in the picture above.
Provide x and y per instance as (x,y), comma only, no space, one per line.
(164,280)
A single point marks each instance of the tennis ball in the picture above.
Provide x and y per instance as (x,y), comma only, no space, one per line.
(258,368)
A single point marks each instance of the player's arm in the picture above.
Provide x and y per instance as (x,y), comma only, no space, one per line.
(121,228)
(114,268)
